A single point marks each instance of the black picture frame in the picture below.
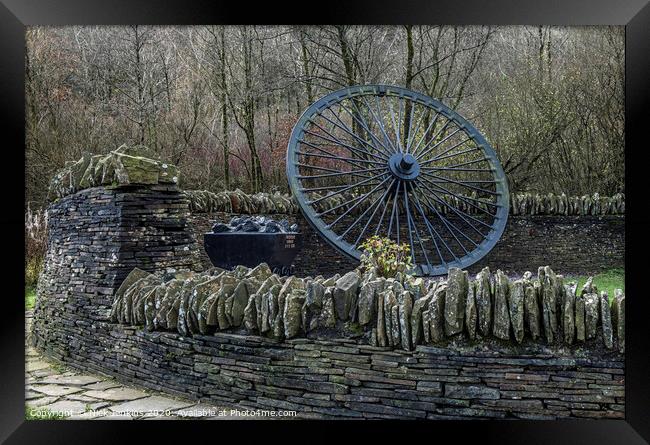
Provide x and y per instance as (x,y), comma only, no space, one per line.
(15,15)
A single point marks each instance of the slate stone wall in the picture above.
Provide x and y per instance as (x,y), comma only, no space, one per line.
(342,379)
(97,236)
(572,244)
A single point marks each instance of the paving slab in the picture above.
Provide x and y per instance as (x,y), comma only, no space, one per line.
(41,373)
(40,402)
(55,390)
(29,395)
(119,394)
(106,384)
(150,404)
(66,407)
(71,380)
(82,398)
(35,365)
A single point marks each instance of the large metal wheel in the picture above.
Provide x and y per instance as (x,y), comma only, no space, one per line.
(384,160)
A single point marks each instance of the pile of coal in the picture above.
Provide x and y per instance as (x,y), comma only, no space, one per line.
(260,224)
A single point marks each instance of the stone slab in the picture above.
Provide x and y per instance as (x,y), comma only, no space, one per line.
(117,394)
(148,404)
(55,390)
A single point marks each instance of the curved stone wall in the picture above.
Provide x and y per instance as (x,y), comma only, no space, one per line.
(338,378)
(97,236)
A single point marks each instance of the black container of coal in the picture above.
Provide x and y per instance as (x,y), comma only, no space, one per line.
(249,241)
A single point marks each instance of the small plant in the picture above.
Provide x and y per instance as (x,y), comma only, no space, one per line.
(30,298)
(385,256)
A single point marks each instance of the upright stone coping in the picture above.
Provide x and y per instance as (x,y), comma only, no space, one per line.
(237,201)
(98,235)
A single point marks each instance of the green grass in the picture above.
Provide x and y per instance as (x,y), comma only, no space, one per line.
(604,281)
(30,298)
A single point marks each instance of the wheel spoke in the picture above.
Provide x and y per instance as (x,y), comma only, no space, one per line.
(379,122)
(340,173)
(453,181)
(450,148)
(415,229)
(442,201)
(407,134)
(376,201)
(363,125)
(464,198)
(351,132)
(392,213)
(417,127)
(424,135)
(430,228)
(442,141)
(350,161)
(381,218)
(433,138)
(325,169)
(487,170)
(448,223)
(462,164)
(346,188)
(357,204)
(383,200)
(469,150)
(436,198)
(399,123)
(358,150)
(395,126)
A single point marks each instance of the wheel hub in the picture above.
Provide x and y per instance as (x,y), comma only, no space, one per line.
(404,166)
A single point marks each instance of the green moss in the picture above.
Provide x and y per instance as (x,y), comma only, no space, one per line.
(354,328)
(58,367)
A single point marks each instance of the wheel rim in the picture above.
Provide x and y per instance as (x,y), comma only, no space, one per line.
(384,160)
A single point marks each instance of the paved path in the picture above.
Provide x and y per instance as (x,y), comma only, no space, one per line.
(52,388)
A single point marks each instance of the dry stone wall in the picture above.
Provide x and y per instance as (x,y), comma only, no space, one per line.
(572,244)
(324,356)
(203,201)
(97,236)
(340,378)
(124,166)
(399,313)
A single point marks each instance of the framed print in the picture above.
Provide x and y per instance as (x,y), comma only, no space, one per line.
(393,212)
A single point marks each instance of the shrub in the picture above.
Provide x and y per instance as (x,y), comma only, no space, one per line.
(35,244)
(385,256)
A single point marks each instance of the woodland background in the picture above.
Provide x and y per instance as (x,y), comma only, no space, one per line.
(220,102)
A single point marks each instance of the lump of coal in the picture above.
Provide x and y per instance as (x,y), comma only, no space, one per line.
(220,227)
(273,227)
(250,226)
(253,224)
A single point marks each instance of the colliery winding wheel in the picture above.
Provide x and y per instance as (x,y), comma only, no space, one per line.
(384,160)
